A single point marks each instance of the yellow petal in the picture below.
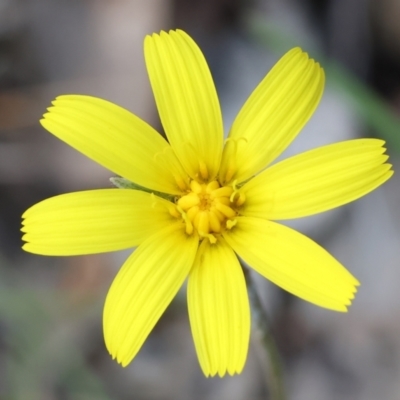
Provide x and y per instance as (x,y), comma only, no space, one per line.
(317,180)
(272,116)
(116,139)
(143,288)
(293,262)
(93,221)
(219,310)
(186,100)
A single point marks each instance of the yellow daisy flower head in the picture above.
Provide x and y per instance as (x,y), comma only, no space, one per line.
(207,202)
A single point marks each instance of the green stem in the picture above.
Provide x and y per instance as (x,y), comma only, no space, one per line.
(260,317)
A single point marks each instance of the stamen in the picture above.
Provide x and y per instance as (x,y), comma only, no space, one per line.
(234,185)
(188,201)
(180,183)
(188,223)
(174,212)
(211,238)
(222,200)
(196,187)
(215,223)
(189,227)
(203,170)
(218,214)
(232,148)
(236,197)
(224,191)
(208,209)
(203,222)
(230,171)
(167,158)
(192,212)
(240,201)
(227,211)
(230,223)
(212,186)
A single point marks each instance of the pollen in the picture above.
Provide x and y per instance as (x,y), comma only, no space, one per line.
(208,209)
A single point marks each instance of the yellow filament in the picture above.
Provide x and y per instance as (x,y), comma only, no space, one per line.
(188,223)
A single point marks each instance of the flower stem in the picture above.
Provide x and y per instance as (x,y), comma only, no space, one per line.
(276,381)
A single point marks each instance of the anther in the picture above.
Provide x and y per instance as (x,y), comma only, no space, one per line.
(203,170)
(196,187)
(188,201)
(174,212)
(202,222)
(227,211)
(230,171)
(180,183)
(189,227)
(222,200)
(212,186)
(192,212)
(240,201)
(215,223)
(217,213)
(224,191)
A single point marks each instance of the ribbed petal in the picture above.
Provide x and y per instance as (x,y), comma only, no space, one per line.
(293,262)
(219,310)
(317,180)
(116,139)
(93,221)
(272,116)
(143,289)
(186,100)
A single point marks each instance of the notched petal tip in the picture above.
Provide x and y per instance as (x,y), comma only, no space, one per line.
(346,300)
(219,310)
(223,373)
(274,114)
(143,288)
(25,246)
(186,99)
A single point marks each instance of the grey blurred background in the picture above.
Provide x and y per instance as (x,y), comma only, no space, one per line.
(51,345)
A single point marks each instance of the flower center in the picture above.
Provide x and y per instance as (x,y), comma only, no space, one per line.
(208,208)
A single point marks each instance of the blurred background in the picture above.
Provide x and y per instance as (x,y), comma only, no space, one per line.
(51,344)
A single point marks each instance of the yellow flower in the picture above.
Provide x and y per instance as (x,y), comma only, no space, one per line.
(222,200)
